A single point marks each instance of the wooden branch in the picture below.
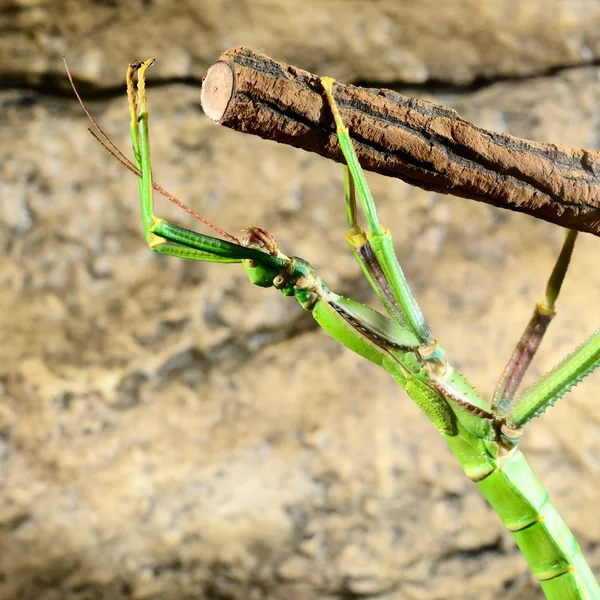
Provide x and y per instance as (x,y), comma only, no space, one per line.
(422,143)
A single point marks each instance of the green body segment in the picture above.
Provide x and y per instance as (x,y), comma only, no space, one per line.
(389,333)
(342,330)
(387,344)
(546,542)
(504,478)
(434,406)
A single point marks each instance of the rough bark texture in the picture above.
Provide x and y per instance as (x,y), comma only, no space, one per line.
(169,431)
(422,143)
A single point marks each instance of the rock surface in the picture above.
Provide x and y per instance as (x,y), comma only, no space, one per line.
(169,431)
(388,40)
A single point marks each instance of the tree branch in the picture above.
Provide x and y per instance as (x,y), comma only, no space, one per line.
(422,143)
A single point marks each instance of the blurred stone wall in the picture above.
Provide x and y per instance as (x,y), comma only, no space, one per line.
(169,431)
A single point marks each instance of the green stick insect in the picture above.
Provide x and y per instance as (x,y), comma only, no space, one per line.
(484,438)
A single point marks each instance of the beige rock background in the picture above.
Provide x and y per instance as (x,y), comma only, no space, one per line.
(169,431)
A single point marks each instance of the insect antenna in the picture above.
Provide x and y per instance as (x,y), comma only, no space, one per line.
(114,151)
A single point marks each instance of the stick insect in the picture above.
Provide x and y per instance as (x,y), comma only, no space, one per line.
(483,437)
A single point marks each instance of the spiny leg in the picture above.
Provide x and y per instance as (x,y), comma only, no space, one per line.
(529,343)
(555,384)
(568,373)
(374,250)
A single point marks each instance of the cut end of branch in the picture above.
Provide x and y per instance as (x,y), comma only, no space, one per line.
(218,88)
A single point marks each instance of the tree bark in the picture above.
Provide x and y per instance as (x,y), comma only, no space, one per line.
(424,144)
